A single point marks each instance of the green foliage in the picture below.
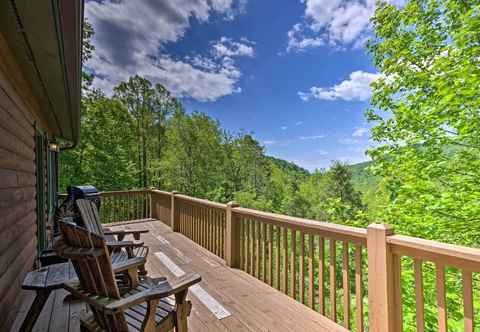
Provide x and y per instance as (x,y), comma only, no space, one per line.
(427,120)
(103,155)
(429,53)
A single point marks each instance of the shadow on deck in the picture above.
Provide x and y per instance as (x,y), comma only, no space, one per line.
(226,300)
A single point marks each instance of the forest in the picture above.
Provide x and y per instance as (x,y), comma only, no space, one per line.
(425,168)
(142,137)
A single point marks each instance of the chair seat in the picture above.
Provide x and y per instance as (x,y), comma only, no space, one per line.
(164,317)
(122,256)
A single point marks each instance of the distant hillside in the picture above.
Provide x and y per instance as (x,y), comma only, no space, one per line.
(288,166)
(365,182)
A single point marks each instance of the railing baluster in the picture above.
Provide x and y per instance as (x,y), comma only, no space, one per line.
(419,300)
(203,223)
(293,268)
(264,252)
(191,221)
(467,301)
(333,285)
(358,288)
(218,231)
(346,286)
(182,207)
(246,224)
(198,226)
(321,275)
(241,253)
(302,268)
(194,223)
(181,219)
(285,260)
(182,210)
(210,230)
(205,226)
(441,297)
(257,249)
(222,232)
(277,256)
(252,247)
(311,290)
(397,276)
(114,210)
(270,255)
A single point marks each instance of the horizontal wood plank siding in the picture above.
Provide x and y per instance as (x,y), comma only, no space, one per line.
(18,245)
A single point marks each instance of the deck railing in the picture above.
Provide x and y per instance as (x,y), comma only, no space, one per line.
(124,205)
(352,275)
(118,206)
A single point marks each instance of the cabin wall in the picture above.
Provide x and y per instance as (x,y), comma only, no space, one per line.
(18,229)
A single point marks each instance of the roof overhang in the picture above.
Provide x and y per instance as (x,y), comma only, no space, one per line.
(46,39)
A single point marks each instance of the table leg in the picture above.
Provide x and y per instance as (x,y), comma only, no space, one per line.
(35,309)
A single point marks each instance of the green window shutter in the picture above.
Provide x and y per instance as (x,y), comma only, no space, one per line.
(41,159)
(46,162)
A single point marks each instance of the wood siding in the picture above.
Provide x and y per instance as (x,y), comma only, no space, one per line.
(18,231)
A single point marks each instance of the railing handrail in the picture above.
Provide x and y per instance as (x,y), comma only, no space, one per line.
(435,251)
(330,230)
(161,192)
(201,201)
(122,192)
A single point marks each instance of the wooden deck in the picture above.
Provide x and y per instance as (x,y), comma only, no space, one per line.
(253,305)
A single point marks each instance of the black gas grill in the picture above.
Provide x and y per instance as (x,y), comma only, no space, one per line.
(68,208)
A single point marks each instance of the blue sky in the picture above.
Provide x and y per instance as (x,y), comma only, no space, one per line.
(293,72)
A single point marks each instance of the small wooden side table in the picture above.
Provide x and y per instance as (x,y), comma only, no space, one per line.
(44,281)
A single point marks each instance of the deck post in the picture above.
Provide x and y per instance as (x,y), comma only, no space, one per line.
(153,204)
(381,279)
(174,215)
(232,237)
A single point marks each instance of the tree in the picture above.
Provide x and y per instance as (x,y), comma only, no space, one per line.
(149,107)
(87,50)
(192,155)
(102,157)
(331,195)
(426,111)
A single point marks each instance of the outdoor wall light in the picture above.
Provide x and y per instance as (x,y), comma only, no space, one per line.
(54,147)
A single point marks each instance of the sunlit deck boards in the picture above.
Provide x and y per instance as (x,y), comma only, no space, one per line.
(254,306)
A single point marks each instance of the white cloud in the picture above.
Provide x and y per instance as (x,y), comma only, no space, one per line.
(360,132)
(298,41)
(322,152)
(226,47)
(357,87)
(130,37)
(333,22)
(284,127)
(298,123)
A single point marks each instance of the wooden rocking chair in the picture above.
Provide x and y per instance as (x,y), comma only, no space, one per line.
(120,250)
(152,305)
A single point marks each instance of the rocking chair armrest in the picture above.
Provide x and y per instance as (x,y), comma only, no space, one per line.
(124,232)
(123,244)
(167,288)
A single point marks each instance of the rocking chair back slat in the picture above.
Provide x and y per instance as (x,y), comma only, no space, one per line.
(89,213)
(95,272)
